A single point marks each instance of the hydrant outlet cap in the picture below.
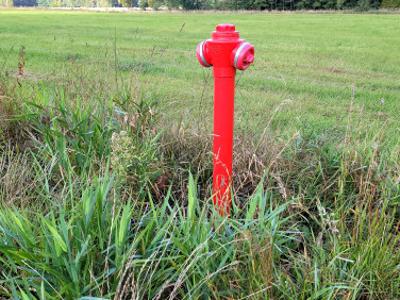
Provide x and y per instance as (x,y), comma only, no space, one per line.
(243,56)
(201,54)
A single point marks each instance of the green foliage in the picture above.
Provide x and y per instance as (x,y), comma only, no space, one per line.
(216,4)
(96,197)
(74,241)
(155,4)
(74,136)
(143,4)
(363,5)
(98,246)
(135,160)
(95,245)
(172,3)
(125,3)
(390,4)
(277,4)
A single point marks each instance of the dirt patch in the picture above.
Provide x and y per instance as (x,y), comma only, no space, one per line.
(335,70)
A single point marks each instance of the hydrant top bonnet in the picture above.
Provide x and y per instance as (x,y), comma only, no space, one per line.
(225,31)
(225,49)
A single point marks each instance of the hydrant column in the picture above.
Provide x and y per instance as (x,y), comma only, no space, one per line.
(225,52)
(223,141)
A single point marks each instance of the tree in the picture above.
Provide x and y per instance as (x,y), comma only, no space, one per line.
(172,4)
(125,3)
(260,4)
(155,4)
(390,4)
(193,4)
(143,4)
(363,5)
(25,3)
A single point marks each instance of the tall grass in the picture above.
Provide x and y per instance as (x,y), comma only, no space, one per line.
(98,200)
(101,247)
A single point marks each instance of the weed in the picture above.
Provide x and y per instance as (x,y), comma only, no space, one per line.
(105,164)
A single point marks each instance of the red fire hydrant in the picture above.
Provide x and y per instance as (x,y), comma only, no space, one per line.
(225,52)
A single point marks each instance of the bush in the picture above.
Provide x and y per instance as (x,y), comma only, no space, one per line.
(143,4)
(363,5)
(390,4)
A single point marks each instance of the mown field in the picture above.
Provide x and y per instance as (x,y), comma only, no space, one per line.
(105,164)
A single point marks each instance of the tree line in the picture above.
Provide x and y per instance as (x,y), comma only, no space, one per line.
(214,4)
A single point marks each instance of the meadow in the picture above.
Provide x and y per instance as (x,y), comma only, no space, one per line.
(105,164)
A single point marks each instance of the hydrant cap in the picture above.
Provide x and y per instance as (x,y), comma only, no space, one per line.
(225,28)
(226,32)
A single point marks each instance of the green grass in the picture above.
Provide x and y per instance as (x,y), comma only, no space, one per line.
(311,59)
(105,158)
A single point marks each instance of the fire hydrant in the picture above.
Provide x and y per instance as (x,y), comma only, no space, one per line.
(226,53)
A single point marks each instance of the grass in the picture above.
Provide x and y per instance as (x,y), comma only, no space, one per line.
(105,158)
(313,60)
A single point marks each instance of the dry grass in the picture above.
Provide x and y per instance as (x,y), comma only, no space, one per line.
(97,198)
(17,180)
